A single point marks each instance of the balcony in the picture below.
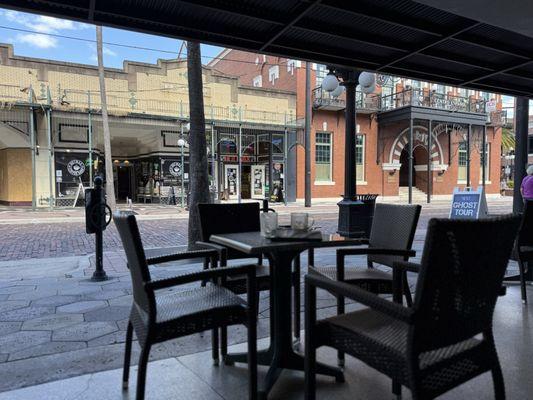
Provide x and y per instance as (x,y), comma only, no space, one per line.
(429,99)
(323,100)
(499,118)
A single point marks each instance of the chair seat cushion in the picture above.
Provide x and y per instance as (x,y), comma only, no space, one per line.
(195,301)
(381,342)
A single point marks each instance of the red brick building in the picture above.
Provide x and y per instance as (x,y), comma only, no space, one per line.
(383,120)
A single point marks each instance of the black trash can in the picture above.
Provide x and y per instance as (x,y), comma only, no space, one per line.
(367,211)
(356,214)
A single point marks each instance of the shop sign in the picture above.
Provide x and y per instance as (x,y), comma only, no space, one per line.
(468,204)
(76,167)
(175,169)
(491,105)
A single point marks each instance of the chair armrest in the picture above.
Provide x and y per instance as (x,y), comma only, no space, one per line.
(163,258)
(350,251)
(204,275)
(371,300)
(222,251)
(407,266)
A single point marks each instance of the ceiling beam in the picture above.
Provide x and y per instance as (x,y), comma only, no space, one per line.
(91,10)
(486,86)
(446,58)
(429,45)
(500,71)
(298,15)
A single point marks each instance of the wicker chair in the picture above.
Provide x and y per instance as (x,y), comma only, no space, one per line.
(234,218)
(157,317)
(391,239)
(523,249)
(446,338)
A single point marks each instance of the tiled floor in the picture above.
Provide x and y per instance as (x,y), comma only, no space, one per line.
(194,377)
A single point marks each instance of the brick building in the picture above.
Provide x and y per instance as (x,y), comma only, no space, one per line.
(458,117)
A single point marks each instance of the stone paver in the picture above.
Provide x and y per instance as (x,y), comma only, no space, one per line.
(112,313)
(45,349)
(23,339)
(9,305)
(52,322)
(58,300)
(9,327)
(23,314)
(82,306)
(84,331)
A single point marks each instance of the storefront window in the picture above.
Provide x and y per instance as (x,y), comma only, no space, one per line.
(360,157)
(71,169)
(462,160)
(277,144)
(323,157)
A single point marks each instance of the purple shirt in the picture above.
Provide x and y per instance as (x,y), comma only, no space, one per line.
(527,187)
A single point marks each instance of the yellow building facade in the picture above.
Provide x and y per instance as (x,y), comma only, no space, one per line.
(51,141)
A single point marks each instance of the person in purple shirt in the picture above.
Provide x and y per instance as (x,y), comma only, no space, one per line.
(527,184)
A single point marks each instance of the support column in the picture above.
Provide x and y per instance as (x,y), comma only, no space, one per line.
(239,175)
(484,155)
(90,129)
(411,161)
(430,172)
(520,160)
(307,138)
(33,134)
(353,215)
(468,132)
(270,180)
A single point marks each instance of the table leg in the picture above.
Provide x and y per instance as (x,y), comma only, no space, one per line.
(281,354)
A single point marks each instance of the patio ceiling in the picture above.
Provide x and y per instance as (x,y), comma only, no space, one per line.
(399,37)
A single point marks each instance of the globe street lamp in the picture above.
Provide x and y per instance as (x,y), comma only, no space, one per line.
(352,221)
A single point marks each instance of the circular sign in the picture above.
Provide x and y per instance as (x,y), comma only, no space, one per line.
(76,167)
(175,169)
(277,166)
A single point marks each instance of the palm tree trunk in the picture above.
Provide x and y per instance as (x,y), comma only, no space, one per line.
(198,171)
(109,185)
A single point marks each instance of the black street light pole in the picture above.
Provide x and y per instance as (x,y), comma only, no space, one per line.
(350,208)
(520,161)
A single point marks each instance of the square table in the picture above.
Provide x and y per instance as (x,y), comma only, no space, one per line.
(280,355)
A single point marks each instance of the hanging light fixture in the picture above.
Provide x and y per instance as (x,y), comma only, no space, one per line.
(337,92)
(367,79)
(330,82)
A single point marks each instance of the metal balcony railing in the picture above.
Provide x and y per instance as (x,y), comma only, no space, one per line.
(323,100)
(427,98)
(498,118)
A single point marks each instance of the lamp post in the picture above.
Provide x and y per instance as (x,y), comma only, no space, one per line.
(181,144)
(352,220)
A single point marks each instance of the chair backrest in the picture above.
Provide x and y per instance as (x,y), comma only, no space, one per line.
(393,227)
(228,218)
(131,240)
(525,233)
(462,270)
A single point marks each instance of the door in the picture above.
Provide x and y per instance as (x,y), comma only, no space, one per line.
(231,177)
(258,181)
(123,183)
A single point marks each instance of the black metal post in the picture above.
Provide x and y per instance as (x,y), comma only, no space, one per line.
(99,220)
(468,131)
(483,155)
(270,180)
(410,160)
(307,137)
(520,160)
(430,172)
(352,213)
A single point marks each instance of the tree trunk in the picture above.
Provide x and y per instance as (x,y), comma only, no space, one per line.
(109,185)
(198,171)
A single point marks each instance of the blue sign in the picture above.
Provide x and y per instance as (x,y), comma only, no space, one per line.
(468,204)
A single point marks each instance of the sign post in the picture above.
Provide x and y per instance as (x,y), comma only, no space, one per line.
(468,204)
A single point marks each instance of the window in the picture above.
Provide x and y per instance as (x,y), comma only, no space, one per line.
(462,160)
(320,74)
(323,157)
(273,73)
(487,163)
(360,157)
(277,144)
(291,65)
(257,81)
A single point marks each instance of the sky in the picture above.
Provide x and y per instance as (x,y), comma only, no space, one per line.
(37,36)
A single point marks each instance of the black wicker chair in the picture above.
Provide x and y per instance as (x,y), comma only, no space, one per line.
(445,338)
(391,239)
(235,218)
(523,249)
(157,317)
